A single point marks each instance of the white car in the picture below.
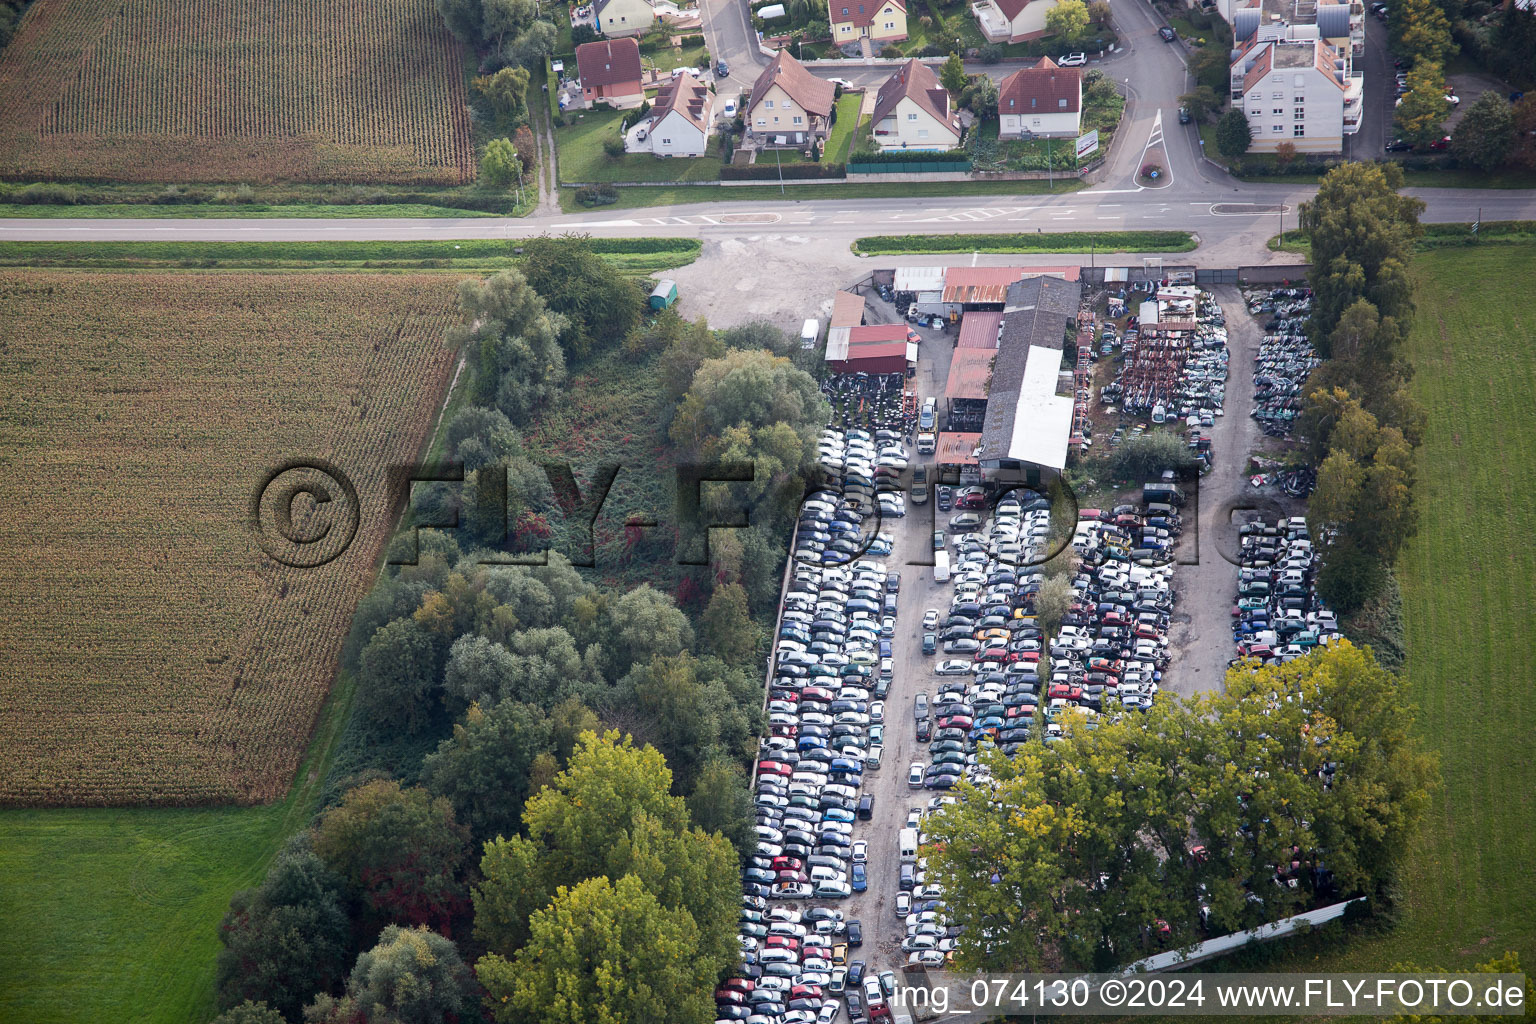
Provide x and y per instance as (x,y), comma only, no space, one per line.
(846,85)
(915,775)
(1072,60)
(953,667)
(930,618)
(729,110)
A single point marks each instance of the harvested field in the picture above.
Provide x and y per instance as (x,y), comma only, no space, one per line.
(154,653)
(235,91)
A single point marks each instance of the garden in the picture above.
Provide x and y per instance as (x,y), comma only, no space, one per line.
(1102,108)
(584,145)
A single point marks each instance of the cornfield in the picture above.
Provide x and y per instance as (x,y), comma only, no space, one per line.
(154,654)
(235,91)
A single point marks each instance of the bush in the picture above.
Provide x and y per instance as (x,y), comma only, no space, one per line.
(1142,458)
(583,34)
(597,195)
(894,53)
(46,194)
(613,148)
(992,53)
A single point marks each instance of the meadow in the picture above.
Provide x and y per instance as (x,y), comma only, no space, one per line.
(156,653)
(235,91)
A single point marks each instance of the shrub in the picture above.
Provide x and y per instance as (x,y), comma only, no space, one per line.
(894,53)
(597,195)
(46,194)
(613,148)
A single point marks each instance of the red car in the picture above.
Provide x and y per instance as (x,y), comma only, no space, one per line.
(1066,691)
(787,864)
(818,694)
(971,501)
(774,768)
(741,984)
(805,992)
(955,722)
(1084,514)
(782,942)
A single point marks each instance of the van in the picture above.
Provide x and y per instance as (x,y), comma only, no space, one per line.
(810,331)
(906,840)
(940,566)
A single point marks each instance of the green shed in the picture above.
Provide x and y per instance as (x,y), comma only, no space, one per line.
(664,294)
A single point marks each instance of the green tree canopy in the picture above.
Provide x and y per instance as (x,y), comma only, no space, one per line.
(513,344)
(727,624)
(412,976)
(501,167)
(647,622)
(1233,134)
(600,304)
(952,75)
(607,952)
(397,674)
(1144,457)
(400,850)
(250,1013)
(1485,135)
(1068,20)
(1362,234)
(483,770)
(1421,114)
(284,940)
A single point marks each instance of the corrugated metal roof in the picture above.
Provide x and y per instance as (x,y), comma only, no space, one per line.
(1040,424)
(978,329)
(956,448)
(920,279)
(873,333)
(847,309)
(979,285)
(969,371)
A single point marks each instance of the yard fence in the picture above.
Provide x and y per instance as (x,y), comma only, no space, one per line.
(910,167)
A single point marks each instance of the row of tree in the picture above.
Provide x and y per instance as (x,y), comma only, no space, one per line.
(1359,420)
(533,862)
(1297,784)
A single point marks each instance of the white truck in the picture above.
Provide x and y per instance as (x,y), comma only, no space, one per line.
(927,427)
(940,566)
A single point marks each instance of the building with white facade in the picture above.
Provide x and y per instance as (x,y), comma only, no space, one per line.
(913,112)
(1293,71)
(678,125)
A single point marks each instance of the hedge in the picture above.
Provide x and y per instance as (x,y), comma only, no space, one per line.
(772,172)
(1059,241)
(870,156)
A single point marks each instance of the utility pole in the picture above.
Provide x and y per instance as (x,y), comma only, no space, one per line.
(1050,180)
(780,164)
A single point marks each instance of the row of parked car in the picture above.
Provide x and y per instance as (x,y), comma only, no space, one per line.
(1285,358)
(831,671)
(1278,616)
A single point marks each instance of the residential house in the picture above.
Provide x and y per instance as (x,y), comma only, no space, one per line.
(678,124)
(882,21)
(1011,21)
(610,72)
(913,112)
(789,106)
(615,18)
(1044,101)
(1298,91)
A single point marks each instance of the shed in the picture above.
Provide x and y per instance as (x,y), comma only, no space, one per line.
(847,309)
(957,448)
(664,294)
(877,348)
(969,371)
(979,329)
(979,286)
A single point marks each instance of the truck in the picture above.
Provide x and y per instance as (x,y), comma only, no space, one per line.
(906,841)
(810,333)
(940,566)
(1161,492)
(927,426)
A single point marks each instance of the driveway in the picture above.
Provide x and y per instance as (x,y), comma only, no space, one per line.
(1370,142)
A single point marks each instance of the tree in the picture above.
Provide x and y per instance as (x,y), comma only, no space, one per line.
(531,46)
(1362,234)
(1524,113)
(1285,153)
(527,148)
(1147,455)
(759,334)
(397,673)
(284,940)
(610,813)
(512,341)
(1053,601)
(463,18)
(603,951)
(500,167)
(952,75)
(752,389)
(483,769)
(684,709)
(412,976)
(1068,20)
(1233,134)
(721,802)
(400,850)
(502,18)
(1422,32)
(507,89)
(250,1013)
(727,624)
(1485,135)
(1200,102)
(600,304)
(1421,113)
(647,623)
(980,97)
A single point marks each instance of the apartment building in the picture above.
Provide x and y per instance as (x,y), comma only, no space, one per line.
(1293,71)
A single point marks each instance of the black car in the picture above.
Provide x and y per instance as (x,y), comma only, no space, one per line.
(923,731)
(1167,33)
(866,807)
(1399,146)
(855,934)
(1184,117)
(722,70)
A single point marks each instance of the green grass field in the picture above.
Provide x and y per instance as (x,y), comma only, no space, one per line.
(1055,241)
(635,256)
(1469,584)
(253,210)
(113,914)
(581,156)
(677,195)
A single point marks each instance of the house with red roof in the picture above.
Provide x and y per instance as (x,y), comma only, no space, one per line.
(1044,101)
(789,106)
(913,111)
(610,72)
(883,21)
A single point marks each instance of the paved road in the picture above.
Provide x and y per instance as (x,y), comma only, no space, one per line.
(1370,142)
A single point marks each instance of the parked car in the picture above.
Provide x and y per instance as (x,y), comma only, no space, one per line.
(1184,117)
(1072,60)
(1168,34)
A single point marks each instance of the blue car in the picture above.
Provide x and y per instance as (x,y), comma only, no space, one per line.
(857,878)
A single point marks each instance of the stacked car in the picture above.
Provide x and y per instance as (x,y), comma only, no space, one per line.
(1278,616)
(1285,357)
